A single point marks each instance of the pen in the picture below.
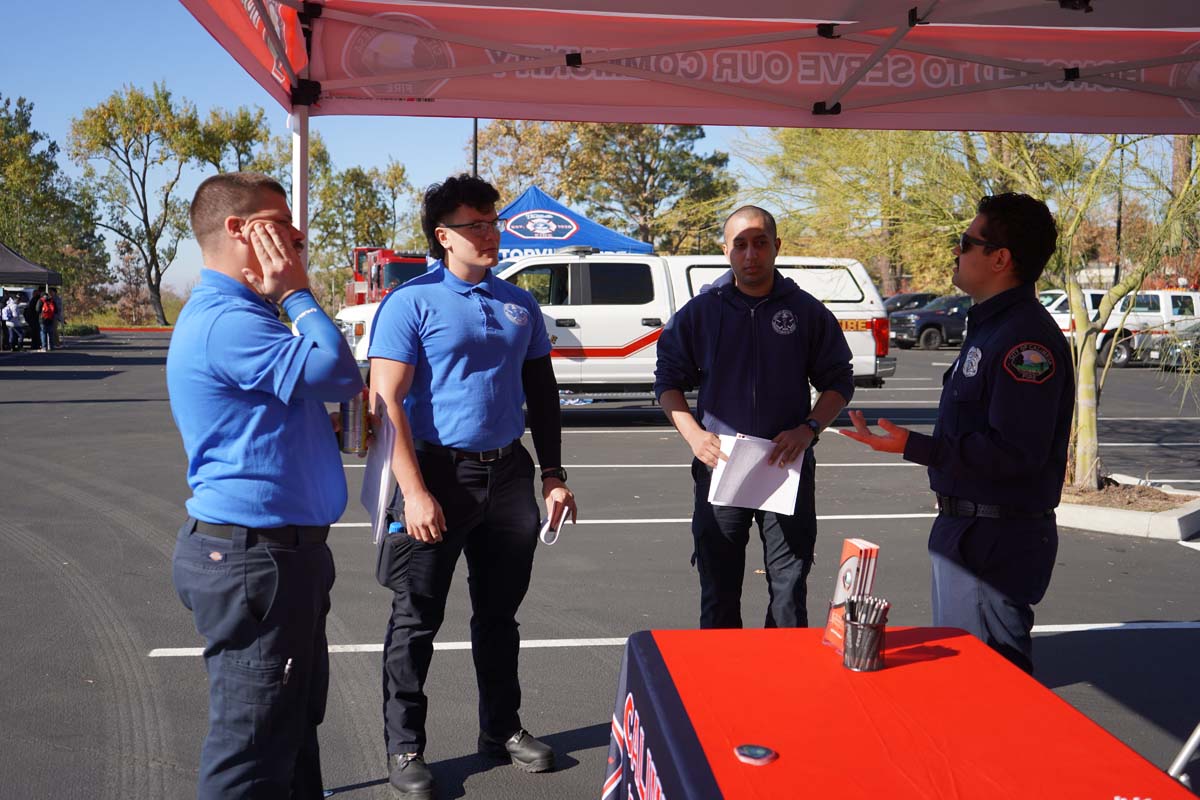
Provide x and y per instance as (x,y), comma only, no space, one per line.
(287,671)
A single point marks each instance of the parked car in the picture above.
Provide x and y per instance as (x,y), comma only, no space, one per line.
(1177,351)
(941,321)
(907,301)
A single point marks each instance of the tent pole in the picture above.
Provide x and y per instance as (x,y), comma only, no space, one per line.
(300,174)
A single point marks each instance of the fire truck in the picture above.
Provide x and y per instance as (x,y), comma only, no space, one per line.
(377,271)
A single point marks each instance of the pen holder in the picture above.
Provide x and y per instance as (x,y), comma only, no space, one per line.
(863,646)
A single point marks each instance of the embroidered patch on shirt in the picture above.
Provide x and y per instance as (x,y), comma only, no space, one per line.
(784,322)
(1029,362)
(971,362)
(516,313)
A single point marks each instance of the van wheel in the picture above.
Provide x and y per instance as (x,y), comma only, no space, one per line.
(1120,352)
(931,339)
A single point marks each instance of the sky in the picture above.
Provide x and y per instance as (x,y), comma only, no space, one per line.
(71,55)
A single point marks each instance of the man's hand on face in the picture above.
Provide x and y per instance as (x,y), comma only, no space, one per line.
(790,445)
(423,517)
(891,441)
(282,268)
(707,447)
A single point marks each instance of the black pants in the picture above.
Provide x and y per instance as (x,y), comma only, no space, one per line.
(259,607)
(987,576)
(721,534)
(492,516)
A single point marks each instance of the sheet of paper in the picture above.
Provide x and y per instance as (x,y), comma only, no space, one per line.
(378,481)
(746,480)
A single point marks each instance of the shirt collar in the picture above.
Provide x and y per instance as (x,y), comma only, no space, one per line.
(458,285)
(982,312)
(223,284)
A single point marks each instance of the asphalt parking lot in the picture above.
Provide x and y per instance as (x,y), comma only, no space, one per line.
(104,696)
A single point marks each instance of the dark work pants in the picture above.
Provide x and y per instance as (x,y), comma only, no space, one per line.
(492,516)
(721,534)
(987,576)
(258,606)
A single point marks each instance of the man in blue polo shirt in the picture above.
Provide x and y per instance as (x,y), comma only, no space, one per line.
(453,354)
(251,561)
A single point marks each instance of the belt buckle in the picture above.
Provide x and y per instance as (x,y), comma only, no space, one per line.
(488,456)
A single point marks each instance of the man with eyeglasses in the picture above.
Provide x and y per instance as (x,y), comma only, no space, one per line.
(251,563)
(998,452)
(453,354)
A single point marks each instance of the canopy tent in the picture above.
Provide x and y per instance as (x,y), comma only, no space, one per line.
(15,269)
(537,223)
(1085,66)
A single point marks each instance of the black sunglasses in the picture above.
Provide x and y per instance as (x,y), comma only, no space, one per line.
(966,240)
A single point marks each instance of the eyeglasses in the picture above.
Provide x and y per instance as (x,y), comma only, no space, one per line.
(480,227)
(966,240)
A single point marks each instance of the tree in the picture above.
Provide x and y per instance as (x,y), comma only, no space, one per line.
(134,147)
(393,183)
(45,216)
(645,180)
(232,140)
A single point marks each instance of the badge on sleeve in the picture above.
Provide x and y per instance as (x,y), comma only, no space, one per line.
(1030,362)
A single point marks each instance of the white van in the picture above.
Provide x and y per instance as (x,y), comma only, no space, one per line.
(604,312)
(1151,313)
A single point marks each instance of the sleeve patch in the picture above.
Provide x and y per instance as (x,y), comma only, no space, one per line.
(1029,362)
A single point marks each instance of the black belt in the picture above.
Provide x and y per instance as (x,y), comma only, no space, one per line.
(484,456)
(291,535)
(957,507)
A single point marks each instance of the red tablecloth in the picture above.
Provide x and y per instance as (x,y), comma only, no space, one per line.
(947,718)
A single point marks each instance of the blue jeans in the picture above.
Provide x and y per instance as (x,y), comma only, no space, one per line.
(15,335)
(492,517)
(987,576)
(260,607)
(721,534)
(47,334)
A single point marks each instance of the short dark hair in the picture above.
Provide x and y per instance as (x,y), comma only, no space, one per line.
(1025,226)
(230,194)
(441,200)
(747,211)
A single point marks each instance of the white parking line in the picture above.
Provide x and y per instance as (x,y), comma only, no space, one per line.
(689,466)
(1150,419)
(1150,444)
(682,520)
(534,644)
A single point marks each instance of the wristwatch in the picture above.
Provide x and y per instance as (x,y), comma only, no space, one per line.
(555,472)
(815,427)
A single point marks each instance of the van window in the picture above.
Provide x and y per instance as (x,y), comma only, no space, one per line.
(620,284)
(1183,306)
(1142,302)
(1048,297)
(828,283)
(546,282)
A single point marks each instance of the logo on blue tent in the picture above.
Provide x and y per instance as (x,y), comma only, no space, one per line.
(540,224)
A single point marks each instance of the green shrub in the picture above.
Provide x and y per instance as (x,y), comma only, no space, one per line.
(79,329)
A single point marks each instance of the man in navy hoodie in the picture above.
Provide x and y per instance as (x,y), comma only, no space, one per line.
(752,342)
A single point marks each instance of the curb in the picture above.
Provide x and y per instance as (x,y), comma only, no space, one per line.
(1177,524)
(106,329)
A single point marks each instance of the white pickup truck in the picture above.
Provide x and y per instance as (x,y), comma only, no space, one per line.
(604,312)
(1129,330)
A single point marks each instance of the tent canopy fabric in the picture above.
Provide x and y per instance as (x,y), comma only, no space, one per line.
(537,223)
(1023,65)
(15,269)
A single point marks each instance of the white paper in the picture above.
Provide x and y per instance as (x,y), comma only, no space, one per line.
(746,480)
(377,480)
(550,535)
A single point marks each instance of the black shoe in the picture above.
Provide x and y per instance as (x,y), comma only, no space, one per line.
(409,776)
(523,750)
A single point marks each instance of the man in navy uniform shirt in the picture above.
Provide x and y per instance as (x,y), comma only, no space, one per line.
(752,342)
(453,354)
(251,561)
(998,453)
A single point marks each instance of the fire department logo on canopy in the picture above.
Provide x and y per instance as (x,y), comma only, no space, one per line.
(539,224)
(371,51)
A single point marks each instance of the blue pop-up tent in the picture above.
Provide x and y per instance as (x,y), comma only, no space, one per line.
(538,224)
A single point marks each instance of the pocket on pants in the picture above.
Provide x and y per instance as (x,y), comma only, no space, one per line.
(261,581)
(395,551)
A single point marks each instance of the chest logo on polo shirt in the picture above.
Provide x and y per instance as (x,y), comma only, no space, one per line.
(784,322)
(1029,362)
(971,363)
(516,313)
